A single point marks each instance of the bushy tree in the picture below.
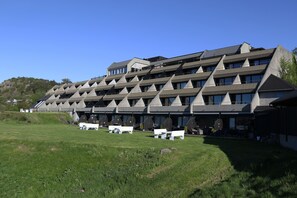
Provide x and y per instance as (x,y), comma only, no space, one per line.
(295,51)
(66,80)
(288,70)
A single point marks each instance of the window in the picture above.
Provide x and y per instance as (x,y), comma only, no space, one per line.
(233,65)
(129,89)
(213,100)
(198,83)
(132,102)
(232,123)
(208,68)
(262,61)
(241,98)
(90,104)
(224,81)
(159,87)
(65,96)
(187,100)
(190,71)
(251,79)
(145,88)
(167,101)
(147,101)
(182,120)
(118,71)
(179,85)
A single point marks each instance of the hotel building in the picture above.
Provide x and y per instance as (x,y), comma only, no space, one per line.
(205,86)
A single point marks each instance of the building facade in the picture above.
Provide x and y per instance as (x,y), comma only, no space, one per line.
(205,86)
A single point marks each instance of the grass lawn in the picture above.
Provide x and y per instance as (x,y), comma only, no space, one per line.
(59,160)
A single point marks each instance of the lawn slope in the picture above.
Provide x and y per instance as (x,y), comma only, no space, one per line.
(58,160)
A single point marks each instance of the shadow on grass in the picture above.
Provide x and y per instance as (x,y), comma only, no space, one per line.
(260,170)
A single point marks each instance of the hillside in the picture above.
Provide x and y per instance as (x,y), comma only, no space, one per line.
(22,92)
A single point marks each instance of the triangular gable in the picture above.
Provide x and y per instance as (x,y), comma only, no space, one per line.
(273,84)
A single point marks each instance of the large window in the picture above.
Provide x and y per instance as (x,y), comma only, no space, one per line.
(167,101)
(190,71)
(118,71)
(234,65)
(224,81)
(65,96)
(132,102)
(262,61)
(179,85)
(182,121)
(245,98)
(251,79)
(101,93)
(187,100)
(214,99)
(145,88)
(198,83)
(159,86)
(147,101)
(208,68)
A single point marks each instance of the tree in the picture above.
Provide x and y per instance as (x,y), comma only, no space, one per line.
(295,51)
(288,70)
(66,80)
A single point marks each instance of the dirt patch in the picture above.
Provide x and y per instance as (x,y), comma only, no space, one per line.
(23,148)
(53,149)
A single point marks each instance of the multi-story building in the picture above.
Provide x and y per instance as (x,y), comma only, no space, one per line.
(222,83)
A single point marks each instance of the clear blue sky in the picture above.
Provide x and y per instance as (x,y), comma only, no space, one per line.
(79,39)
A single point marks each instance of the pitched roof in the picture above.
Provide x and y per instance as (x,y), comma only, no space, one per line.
(221,51)
(117,65)
(274,83)
(177,58)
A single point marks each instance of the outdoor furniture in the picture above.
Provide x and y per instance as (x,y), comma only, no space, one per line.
(180,134)
(87,126)
(111,128)
(158,132)
(120,129)
(128,129)
(173,134)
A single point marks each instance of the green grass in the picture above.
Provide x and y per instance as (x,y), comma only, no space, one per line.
(57,160)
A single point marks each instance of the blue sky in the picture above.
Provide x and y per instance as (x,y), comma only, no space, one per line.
(79,39)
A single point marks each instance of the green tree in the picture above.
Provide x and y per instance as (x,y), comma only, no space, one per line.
(295,51)
(66,80)
(288,70)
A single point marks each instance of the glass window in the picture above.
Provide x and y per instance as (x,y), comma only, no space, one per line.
(167,101)
(242,98)
(218,99)
(231,123)
(251,79)
(187,100)
(225,81)
(262,61)
(234,65)
(209,68)
(198,83)
(246,98)
(159,87)
(190,71)
(213,100)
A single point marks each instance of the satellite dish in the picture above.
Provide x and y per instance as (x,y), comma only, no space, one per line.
(218,125)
